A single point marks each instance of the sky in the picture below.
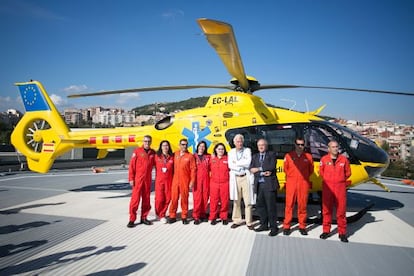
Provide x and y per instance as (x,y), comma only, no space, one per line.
(94,45)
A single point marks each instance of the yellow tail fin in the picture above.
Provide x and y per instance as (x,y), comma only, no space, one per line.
(40,135)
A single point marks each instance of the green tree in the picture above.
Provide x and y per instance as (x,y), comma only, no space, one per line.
(410,167)
(396,169)
(385,146)
(5,133)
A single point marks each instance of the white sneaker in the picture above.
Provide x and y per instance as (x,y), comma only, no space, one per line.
(163,220)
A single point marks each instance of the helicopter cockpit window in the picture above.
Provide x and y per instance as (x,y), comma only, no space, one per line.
(362,148)
(317,138)
(353,139)
(250,135)
(281,139)
(164,123)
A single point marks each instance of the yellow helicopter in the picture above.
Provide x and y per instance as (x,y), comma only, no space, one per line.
(42,135)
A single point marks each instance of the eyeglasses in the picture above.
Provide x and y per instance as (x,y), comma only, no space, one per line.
(147,141)
(220,149)
(300,145)
(183,144)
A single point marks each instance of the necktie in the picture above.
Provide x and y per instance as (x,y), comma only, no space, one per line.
(261,158)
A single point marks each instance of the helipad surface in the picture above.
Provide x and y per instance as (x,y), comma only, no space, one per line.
(74,223)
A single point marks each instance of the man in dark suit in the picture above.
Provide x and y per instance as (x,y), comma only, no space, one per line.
(263,166)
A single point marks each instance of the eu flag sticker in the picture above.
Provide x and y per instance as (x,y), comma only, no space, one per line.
(32,98)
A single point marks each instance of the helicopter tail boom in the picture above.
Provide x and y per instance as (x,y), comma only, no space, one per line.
(41,135)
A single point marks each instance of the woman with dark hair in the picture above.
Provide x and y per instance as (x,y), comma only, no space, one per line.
(164,165)
(219,185)
(201,189)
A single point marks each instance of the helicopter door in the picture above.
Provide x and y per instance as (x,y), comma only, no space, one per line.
(250,135)
(281,138)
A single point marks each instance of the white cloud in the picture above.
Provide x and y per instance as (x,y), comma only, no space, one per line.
(8,102)
(75,88)
(6,99)
(57,100)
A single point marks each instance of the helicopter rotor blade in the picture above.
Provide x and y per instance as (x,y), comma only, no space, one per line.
(221,37)
(283,86)
(150,89)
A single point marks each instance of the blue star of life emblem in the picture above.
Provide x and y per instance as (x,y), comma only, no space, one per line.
(195,135)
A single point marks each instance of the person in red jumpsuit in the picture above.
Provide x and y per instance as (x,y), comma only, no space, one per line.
(219,185)
(201,189)
(183,180)
(139,176)
(298,167)
(334,170)
(164,165)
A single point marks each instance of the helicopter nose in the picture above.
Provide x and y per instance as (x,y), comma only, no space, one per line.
(375,171)
(375,160)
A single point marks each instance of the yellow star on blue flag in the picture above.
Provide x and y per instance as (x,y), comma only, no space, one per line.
(33,99)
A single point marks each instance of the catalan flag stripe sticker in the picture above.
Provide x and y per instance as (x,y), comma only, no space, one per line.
(48,147)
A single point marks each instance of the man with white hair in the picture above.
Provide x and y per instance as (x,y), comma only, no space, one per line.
(241,181)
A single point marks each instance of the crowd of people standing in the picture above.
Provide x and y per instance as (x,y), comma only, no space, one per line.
(217,178)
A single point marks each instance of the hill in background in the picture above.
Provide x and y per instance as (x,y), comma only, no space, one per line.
(168,107)
(150,109)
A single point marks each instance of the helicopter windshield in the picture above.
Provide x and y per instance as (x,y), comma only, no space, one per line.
(362,148)
(317,135)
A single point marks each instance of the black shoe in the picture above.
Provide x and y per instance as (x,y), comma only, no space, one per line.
(225,222)
(185,221)
(250,227)
(261,228)
(273,232)
(303,231)
(146,222)
(171,220)
(213,222)
(234,225)
(196,222)
(131,224)
(204,220)
(343,238)
(324,235)
(286,232)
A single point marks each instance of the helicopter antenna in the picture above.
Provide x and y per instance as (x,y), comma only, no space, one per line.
(289,100)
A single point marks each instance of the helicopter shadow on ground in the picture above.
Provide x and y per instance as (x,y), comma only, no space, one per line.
(110,187)
(383,191)
(361,205)
(357,200)
(357,203)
